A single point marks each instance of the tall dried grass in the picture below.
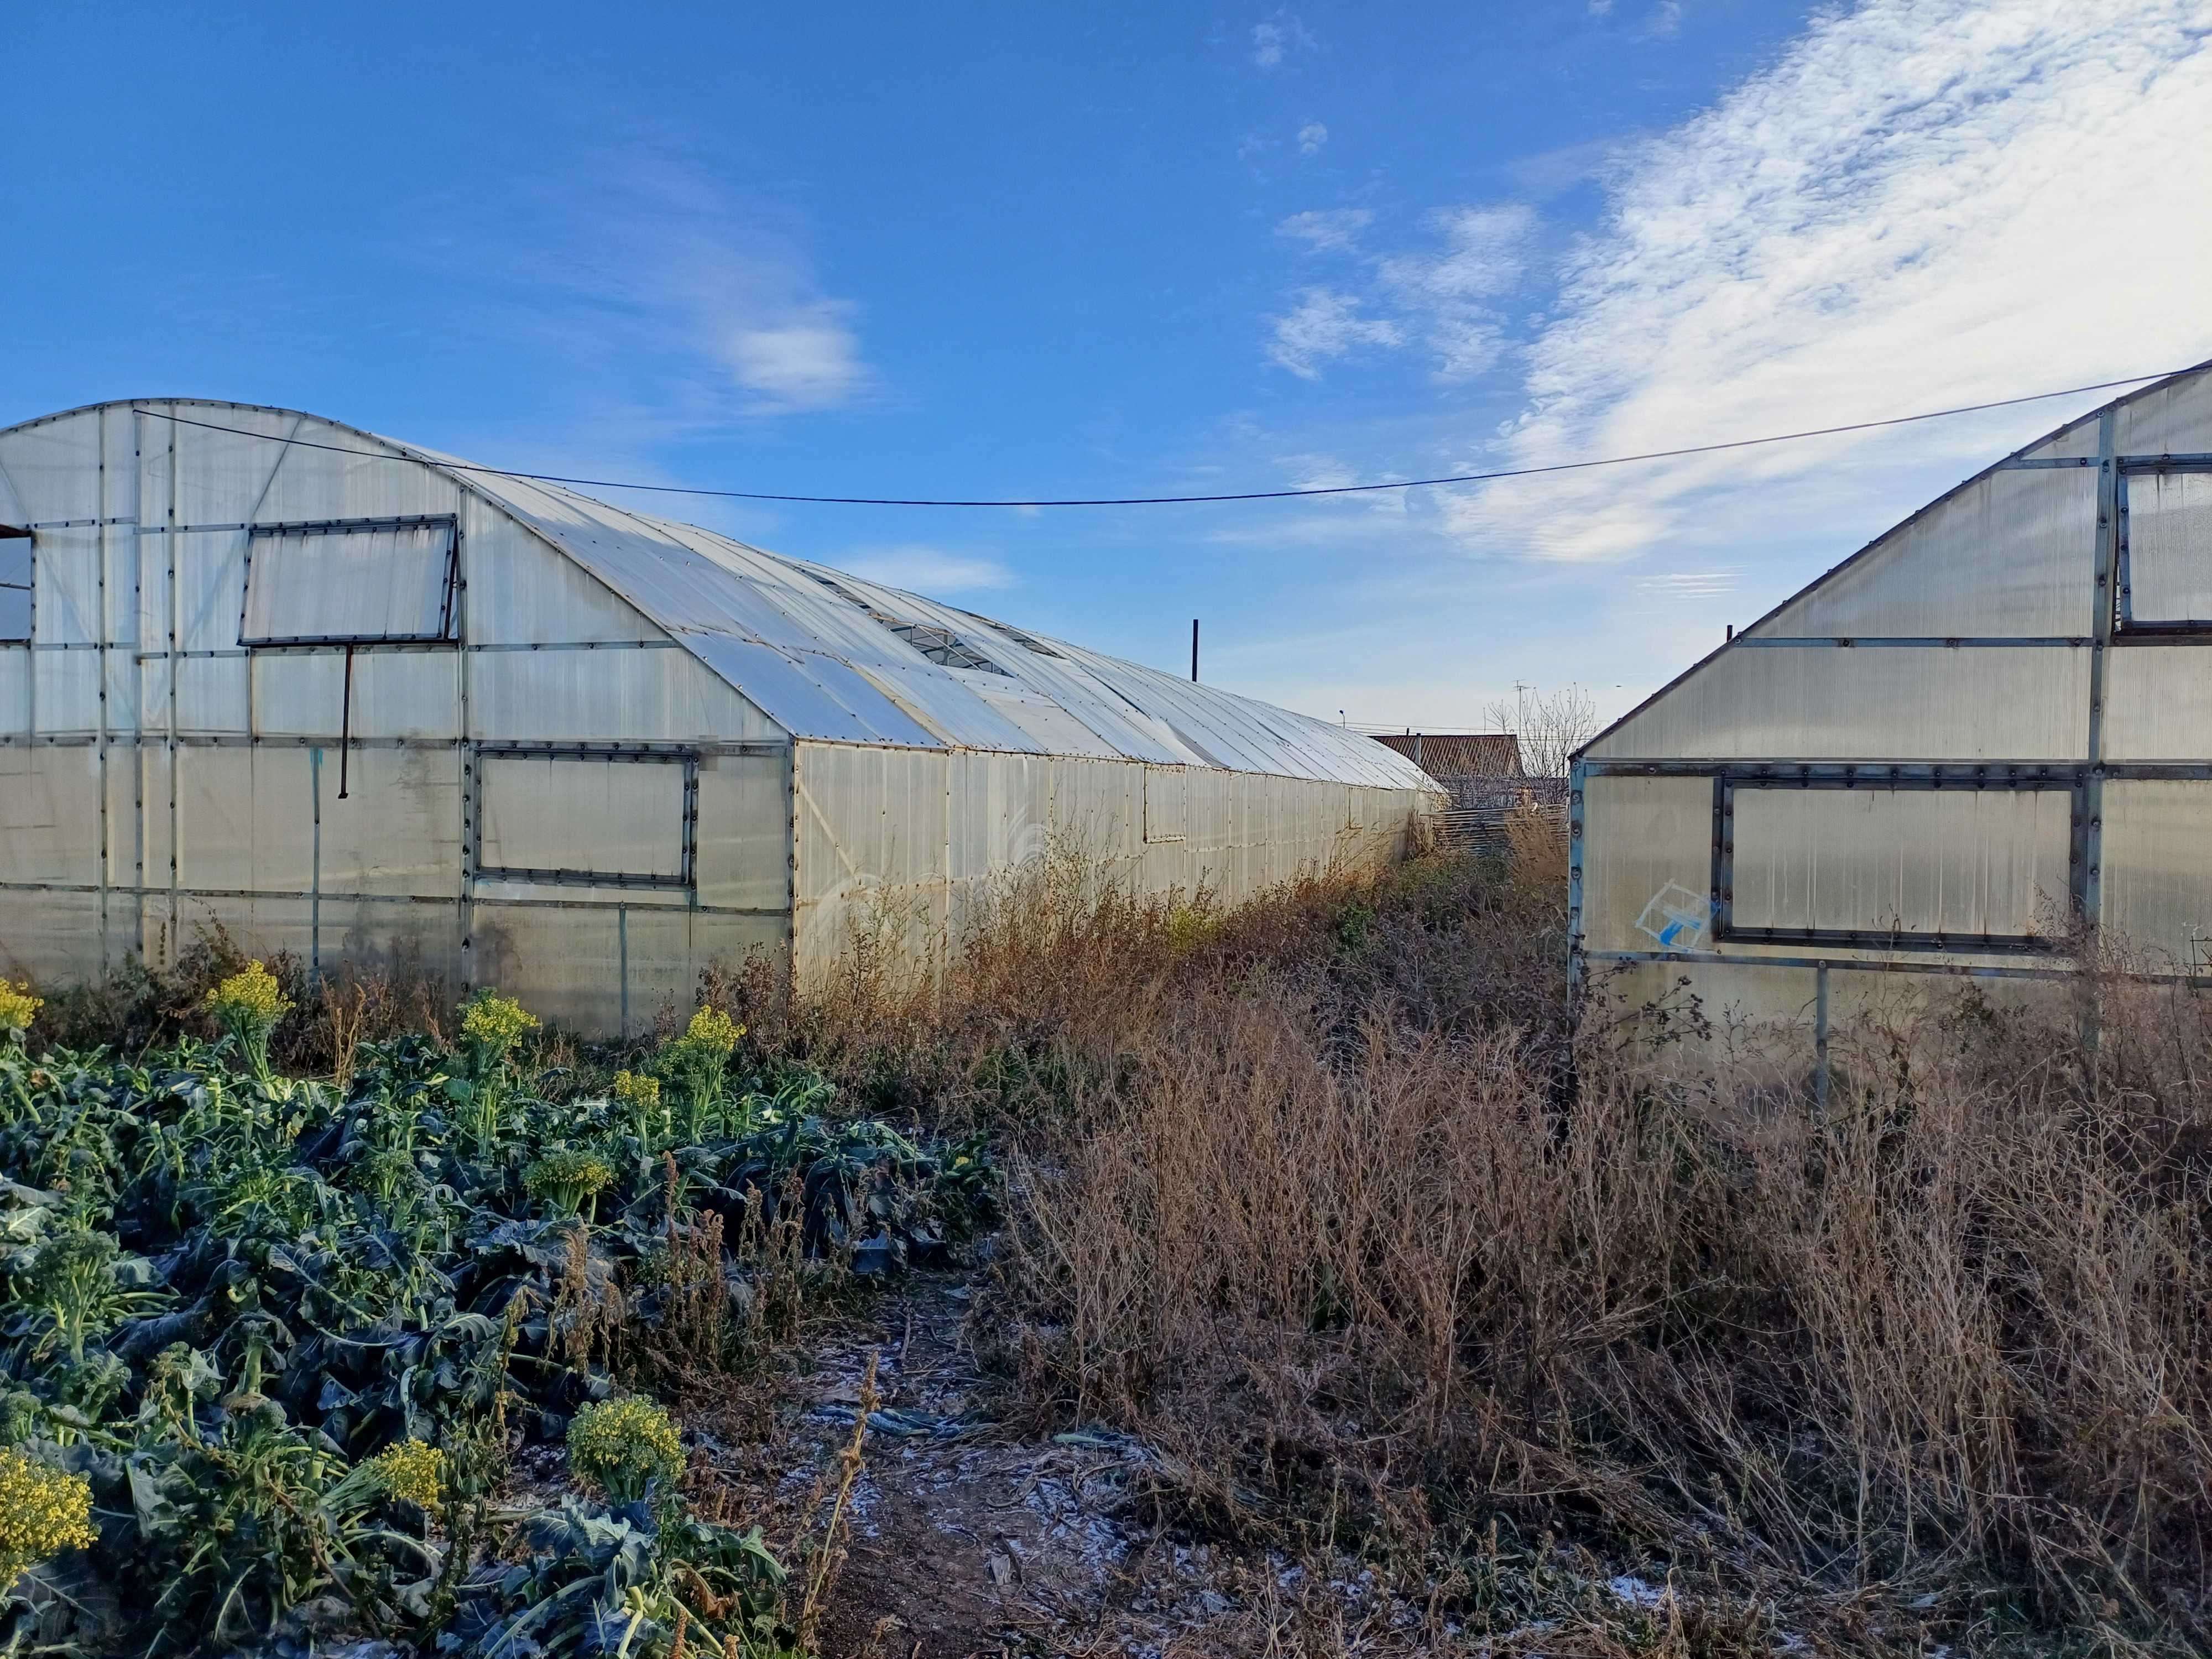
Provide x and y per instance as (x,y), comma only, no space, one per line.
(1309,1195)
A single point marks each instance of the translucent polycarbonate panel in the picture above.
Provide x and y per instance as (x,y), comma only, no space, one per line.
(522,590)
(246,819)
(49,936)
(2169,558)
(611,817)
(50,815)
(213,694)
(807,692)
(2159,701)
(1955,862)
(65,689)
(1825,702)
(366,585)
(49,469)
(1167,804)
(210,583)
(2011,554)
(744,831)
(939,699)
(68,583)
(15,689)
(2175,418)
(584,967)
(395,693)
(397,829)
(2157,880)
(1642,839)
(625,693)
(15,588)
(1045,724)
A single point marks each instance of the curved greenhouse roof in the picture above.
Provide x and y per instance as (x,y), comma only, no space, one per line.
(831,657)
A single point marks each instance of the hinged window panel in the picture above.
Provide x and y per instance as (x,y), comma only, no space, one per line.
(1167,803)
(357,581)
(1925,861)
(626,819)
(2166,548)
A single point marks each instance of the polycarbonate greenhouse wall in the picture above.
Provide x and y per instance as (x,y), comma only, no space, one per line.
(361,702)
(1993,721)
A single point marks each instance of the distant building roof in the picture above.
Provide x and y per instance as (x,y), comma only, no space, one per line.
(1458,754)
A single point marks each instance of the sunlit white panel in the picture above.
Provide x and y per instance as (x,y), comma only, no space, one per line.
(1823,703)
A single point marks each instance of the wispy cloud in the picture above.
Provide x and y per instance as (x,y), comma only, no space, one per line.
(928,570)
(1311,137)
(1278,38)
(1452,291)
(656,271)
(1325,324)
(1324,229)
(1889,219)
(1445,294)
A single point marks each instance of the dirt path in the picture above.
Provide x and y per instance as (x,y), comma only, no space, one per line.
(973,1539)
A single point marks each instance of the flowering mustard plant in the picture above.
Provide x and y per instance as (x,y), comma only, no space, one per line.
(248,1005)
(626,1446)
(17,1007)
(570,1181)
(43,1511)
(641,1092)
(412,1472)
(494,1024)
(701,1058)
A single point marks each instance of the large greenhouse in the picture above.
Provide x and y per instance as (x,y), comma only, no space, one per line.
(359,701)
(1984,729)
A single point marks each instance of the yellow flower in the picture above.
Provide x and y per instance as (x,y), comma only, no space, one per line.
(712,1033)
(17,1005)
(249,1001)
(625,1445)
(637,1089)
(495,1023)
(571,1172)
(43,1511)
(412,1472)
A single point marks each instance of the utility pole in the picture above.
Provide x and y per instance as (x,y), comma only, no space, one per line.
(1193,650)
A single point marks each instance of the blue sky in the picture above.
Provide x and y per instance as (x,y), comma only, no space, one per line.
(1023,250)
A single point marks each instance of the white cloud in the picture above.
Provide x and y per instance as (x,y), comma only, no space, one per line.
(1451,292)
(1277,38)
(1323,229)
(648,267)
(1326,325)
(929,570)
(1901,214)
(1666,17)
(1311,137)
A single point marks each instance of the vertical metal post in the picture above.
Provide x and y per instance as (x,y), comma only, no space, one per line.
(622,950)
(2092,889)
(345,724)
(1194,650)
(1820,1038)
(1576,775)
(315,869)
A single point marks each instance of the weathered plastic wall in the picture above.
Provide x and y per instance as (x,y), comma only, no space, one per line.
(156,776)
(2024,750)
(896,846)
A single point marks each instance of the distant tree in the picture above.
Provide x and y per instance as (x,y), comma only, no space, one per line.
(1550,725)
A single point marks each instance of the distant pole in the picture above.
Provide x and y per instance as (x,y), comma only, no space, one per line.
(1194,650)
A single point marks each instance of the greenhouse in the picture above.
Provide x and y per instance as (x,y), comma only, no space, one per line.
(359,701)
(1986,730)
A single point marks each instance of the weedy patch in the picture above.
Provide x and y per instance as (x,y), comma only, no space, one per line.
(271,1345)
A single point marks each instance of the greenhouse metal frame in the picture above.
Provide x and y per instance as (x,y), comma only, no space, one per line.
(1986,730)
(363,703)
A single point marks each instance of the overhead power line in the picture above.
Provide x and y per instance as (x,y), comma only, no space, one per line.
(1183,501)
